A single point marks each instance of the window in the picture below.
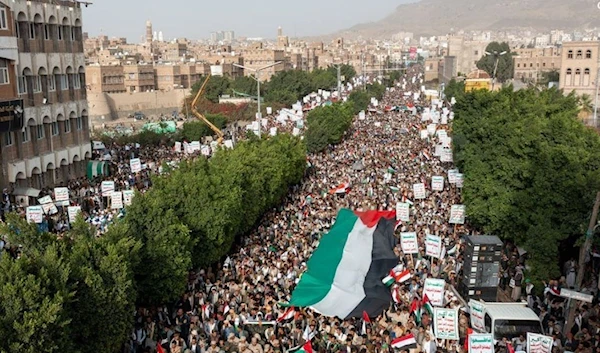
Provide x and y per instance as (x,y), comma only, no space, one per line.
(570,54)
(36,83)
(4,77)
(64,82)
(25,134)
(588,54)
(22,83)
(73,33)
(76,81)
(60,32)
(67,126)
(55,128)
(8,139)
(476,52)
(3,21)
(579,54)
(51,83)
(31,30)
(569,71)
(518,65)
(40,131)
(79,123)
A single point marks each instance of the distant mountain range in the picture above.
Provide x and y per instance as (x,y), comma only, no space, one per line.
(438,17)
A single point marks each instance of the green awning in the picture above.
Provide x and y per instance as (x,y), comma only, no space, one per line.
(95,168)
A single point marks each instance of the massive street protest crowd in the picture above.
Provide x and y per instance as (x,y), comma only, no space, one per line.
(235,307)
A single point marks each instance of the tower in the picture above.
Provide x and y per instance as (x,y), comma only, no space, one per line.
(279,32)
(148,31)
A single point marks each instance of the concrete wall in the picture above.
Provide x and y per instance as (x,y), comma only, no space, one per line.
(119,105)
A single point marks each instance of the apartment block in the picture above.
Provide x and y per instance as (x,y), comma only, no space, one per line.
(579,67)
(259,57)
(530,63)
(107,79)
(138,78)
(167,77)
(44,128)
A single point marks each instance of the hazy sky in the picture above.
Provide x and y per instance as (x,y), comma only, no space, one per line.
(195,19)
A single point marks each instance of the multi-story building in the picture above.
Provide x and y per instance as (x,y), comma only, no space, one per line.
(259,57)
(466,53)
(167,77)
(432,69)
(44,129)
(579,67)
(104,78)
(138,78)
(529,63)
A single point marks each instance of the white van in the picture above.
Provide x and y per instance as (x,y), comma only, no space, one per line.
(503,319)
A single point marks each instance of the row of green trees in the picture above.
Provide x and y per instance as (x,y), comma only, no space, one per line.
(78,293)
(531,169)
(285,87)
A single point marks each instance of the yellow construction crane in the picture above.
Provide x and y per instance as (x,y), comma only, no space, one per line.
(200,116)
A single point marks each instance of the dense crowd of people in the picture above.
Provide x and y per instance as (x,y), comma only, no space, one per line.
(235,307)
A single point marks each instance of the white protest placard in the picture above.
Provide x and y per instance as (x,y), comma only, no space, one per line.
(107,188)
(431,129)
(433,246)
(457,214)
(205,150)
(444,119)
(434,288)
(460,179)
(116,200)
(195,146)
(441,134)
(72,211)
(269,110)
(537,343)
(61,194)
(419,191)
(437,183)
(273,131)
(424,134)
(127,197)
(477,314)
(481,343)
(48,205)
(135,164)
(361,115)
(439,149)
(177,147)
(35,214)
(447,155)
(446,141)
(452,175)
(446,323)
(409,243)
(403,211)
(296,131)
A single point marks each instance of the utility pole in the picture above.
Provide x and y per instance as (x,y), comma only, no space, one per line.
(585,249)
(596,100)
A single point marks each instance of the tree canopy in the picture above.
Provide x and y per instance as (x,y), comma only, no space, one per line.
(327,124)
(505,62)
(531,169)
(192,216)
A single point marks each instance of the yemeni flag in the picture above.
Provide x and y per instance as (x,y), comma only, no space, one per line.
(427,304)
(287,315)
(344,273)
(340,189)
(396,294)
(405,342)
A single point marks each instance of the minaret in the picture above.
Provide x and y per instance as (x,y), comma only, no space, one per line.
(148,31)
(279,31)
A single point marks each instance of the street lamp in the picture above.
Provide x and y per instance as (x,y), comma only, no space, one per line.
(257,78)
(497,56)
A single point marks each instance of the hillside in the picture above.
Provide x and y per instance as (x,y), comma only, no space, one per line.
(435,17)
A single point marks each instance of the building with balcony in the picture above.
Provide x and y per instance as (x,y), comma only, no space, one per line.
(530,63)
(138,78)
(107,79)
(44,129)
(579,67)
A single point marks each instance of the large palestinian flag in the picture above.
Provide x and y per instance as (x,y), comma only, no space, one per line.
(344,273)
